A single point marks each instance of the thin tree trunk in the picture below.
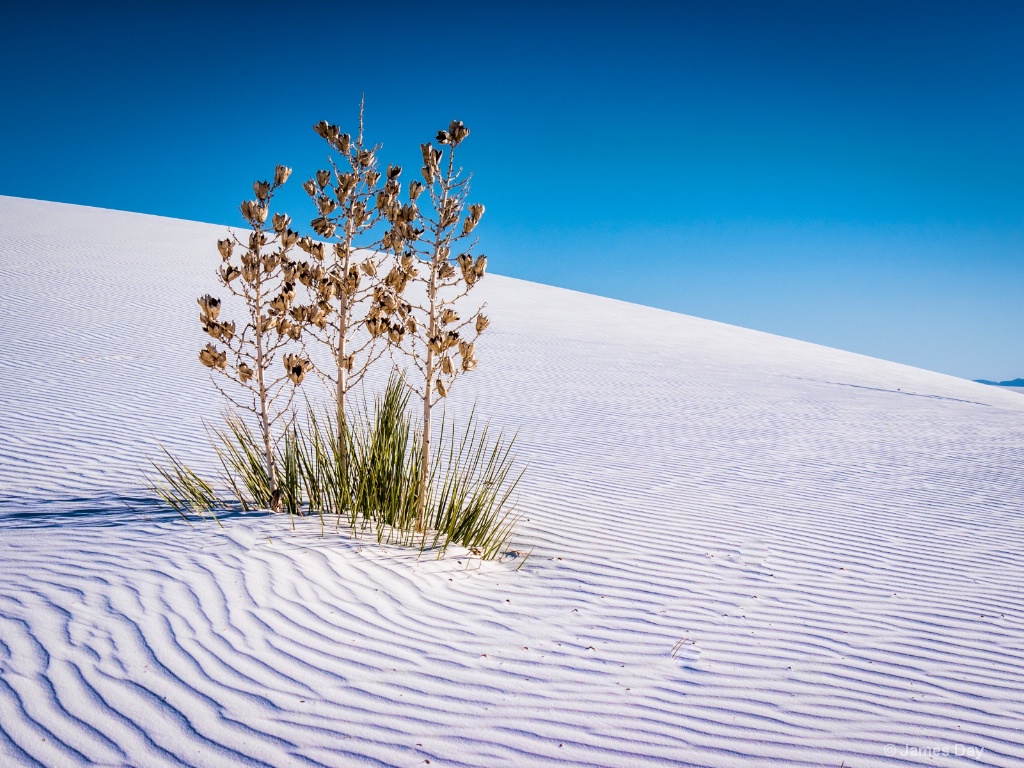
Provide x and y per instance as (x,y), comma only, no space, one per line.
(342,384)
(342,350)
(425,445)
(268,447)
(268,444)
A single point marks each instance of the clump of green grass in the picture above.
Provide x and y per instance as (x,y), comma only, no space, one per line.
(469,502)
(183,490)
(366,475)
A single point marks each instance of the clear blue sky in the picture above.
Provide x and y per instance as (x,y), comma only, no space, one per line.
(849,173)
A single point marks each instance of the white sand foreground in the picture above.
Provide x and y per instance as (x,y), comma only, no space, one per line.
(837,541)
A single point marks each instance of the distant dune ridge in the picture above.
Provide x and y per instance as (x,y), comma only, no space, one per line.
(823,568)
(1012,383)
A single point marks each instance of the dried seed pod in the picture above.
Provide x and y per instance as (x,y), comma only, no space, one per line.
(446,366)
(244,373)
(211,357)
(449,316)
(364,158)
(316,250)
(457,132)
(257,240)
(323,178)
(261,189)
(371,179)
(359,214)
(347,181)
(394,171)
(289,238)
(326,205)
(443,137)
(446,271)
(310,186)
(323,128)
(442,390)
(482,321)
(229,273)
(396,333)
(322,226)
(376,326)
(281,174)
(280,222)
(468,364)
(350,283)
(394,277)
(449,212)
(410,324)
(226,247)
(348,362)
(270,262)
(369,267)
(210,307)
(415,188)
(480,266)
(295,368)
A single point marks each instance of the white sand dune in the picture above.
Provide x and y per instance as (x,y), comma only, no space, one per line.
(837,541)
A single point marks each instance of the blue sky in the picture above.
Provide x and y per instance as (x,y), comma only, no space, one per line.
(849,173)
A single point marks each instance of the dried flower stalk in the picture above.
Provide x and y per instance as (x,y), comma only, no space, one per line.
(350,205)
(439,340)
(262,276)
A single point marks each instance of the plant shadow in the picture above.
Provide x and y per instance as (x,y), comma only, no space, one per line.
(100,510)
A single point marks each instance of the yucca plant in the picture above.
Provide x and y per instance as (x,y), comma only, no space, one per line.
(372,466)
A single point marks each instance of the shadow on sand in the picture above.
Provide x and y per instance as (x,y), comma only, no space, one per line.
(100,510)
